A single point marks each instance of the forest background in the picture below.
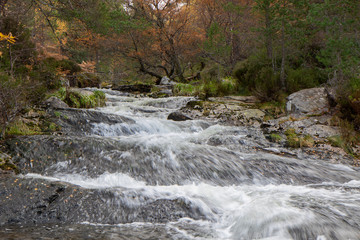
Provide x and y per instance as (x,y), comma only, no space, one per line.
(267,48)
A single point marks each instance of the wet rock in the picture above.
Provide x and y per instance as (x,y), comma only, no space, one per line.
(80,121)
(138,88)
(178,116)
(308,101)
(37,201)
(56,103)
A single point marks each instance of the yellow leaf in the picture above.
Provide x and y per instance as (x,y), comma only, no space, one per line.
(9,37)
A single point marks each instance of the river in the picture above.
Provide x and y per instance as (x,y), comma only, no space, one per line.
(197,179)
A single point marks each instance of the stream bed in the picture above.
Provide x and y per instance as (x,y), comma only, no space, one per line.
(126,172)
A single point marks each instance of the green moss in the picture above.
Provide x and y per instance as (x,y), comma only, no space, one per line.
(307,141)
(77,100)
(273,109)
(336,141)
(296,141)
(57,114)
(274,138)
(342,142)
(50,127)
(21,128)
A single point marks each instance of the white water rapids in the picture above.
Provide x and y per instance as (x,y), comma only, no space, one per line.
(243,193)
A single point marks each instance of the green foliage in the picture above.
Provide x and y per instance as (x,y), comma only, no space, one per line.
(267,85)
(13,99)
(256,75)
(15,57)
(341,54)
(49,71)
(301,78)
(216,44)
(247,72)
(182,89)
(349,103)
(215,88)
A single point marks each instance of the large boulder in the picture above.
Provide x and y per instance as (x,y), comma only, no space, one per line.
(54,102)
(322,131)
(136,88)
(166,81)
(308,102)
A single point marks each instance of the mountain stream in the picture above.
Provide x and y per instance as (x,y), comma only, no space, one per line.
(147,177)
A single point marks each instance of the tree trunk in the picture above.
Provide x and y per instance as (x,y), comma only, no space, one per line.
(283,57)
(268,35)
(2,133)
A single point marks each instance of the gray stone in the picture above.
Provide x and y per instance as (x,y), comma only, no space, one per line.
(308,101)
(252,114)
(178,116)
(322,131)
(167,81)
(81,91)
(54,102)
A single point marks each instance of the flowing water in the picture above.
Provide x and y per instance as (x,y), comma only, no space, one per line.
(231,188)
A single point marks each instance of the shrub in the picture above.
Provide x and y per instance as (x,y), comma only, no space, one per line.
(257,75)
(50,70)
(349,102)
(267,85)
(301,78)
(12,101)
(182,89)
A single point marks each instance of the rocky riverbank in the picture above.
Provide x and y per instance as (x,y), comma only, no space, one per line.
(307,125)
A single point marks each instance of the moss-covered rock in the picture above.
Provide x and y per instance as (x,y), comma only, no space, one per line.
(274,138)
(295,140)
(78,99)
(7,165)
